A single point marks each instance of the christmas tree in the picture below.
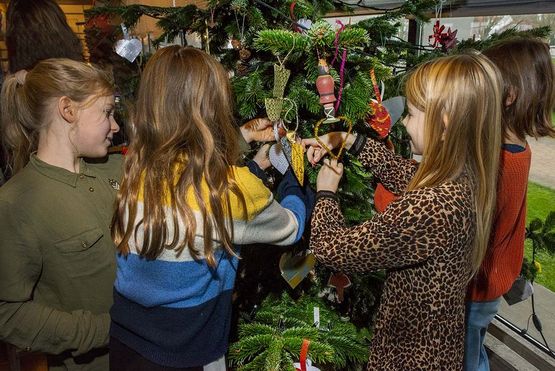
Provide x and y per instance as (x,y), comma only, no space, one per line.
(280,54)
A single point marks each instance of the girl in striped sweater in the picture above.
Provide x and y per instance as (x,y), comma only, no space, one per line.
(183,208)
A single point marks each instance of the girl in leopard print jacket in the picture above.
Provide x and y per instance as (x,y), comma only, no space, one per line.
(432,238)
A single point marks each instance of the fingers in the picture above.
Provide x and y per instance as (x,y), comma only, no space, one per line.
(334,165)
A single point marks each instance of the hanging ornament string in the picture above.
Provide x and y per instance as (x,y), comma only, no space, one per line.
(342,67)
(376,88)
(240,29)
(336,41)
(296,112)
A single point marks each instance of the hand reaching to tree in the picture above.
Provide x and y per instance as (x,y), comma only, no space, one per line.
(315,152)
(329,176)
(258,130)
(261,158)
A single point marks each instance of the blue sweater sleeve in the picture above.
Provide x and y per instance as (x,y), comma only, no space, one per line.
(296,198)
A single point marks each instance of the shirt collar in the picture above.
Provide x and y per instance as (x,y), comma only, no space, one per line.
(60,174)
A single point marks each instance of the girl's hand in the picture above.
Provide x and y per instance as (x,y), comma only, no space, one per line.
(329,176)
(258,130)
(315,152)
(261,158)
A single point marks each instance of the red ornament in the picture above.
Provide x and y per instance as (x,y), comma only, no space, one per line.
(325,86)
(445,40)
(380,121)
(101,22)
(340,281)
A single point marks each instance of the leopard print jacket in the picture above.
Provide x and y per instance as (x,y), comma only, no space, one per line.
(424,241)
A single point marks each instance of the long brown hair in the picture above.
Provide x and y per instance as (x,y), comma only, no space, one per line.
(527,70)
(38,30)
(183,139)
(461,99)
(26,101)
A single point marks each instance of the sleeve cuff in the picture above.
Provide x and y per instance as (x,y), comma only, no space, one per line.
(358,145)
(326,194)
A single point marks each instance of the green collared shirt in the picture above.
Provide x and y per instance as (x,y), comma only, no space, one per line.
(57,261)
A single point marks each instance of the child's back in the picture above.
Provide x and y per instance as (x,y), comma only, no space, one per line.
(527,71)
(181,212)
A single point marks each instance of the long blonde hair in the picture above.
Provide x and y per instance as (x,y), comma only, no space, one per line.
(183,116)
(26,101)
(460,96)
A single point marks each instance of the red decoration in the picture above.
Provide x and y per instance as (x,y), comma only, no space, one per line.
(340,281)
(325,86)
(101,22)
(380,120)
(304,353)
(446,40)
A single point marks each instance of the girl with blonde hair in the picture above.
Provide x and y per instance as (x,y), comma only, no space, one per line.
(183,207)
(431,239)
(57,264)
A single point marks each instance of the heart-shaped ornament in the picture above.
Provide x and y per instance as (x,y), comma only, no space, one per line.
(129,48)
(347,122)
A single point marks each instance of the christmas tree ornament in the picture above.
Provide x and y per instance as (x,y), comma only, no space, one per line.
(281,76)
(304,363)
(349,125)
(380,119)
(297,155)
(325,86)
(127,47)
(395,106)
(294,268)
(274,106)
(277,158)
(444,40)
(339,281)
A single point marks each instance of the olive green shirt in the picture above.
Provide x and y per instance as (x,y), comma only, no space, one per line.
(57,261)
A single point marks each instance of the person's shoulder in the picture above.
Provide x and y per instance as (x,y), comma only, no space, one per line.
(111,165)
(257,195)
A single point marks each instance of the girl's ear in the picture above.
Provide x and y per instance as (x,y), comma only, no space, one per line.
(67,109)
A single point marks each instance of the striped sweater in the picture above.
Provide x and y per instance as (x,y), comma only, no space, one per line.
(175,310)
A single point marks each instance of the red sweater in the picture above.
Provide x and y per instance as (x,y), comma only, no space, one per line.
(503,260)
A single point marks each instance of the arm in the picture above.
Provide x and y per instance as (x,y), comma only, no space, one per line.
(399,237)
(394,171)
(267,220)
(26,323)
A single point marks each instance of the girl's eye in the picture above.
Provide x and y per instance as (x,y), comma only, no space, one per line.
(109,113)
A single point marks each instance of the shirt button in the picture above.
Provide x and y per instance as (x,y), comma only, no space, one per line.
(27,349)
(83,244)
(91,189)
(81,176)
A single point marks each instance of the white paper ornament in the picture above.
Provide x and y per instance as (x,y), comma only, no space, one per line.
(309,366)
(127,47)
(277,158)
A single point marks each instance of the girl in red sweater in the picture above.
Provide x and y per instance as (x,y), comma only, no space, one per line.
(527,70)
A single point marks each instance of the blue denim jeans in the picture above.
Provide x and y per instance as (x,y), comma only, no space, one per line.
(478,317)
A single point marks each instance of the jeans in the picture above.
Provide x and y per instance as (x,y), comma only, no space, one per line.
(478,317)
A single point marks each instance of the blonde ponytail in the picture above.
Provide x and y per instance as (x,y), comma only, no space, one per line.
(19,132)
(26,102)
